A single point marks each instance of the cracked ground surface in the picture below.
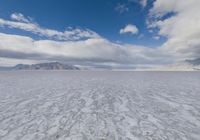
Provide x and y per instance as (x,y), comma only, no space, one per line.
(99,105)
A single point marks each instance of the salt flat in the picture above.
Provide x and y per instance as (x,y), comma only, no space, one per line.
(99,105)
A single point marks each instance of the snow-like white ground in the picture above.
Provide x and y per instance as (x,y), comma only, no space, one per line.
(99,105)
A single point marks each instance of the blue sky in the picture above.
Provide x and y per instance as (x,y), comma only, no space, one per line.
(100,16)
(99,33)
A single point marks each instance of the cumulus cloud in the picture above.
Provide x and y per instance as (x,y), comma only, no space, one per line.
(77,46)
(129,29)
(25,24)
(175,20)
(179,22)
(90,51)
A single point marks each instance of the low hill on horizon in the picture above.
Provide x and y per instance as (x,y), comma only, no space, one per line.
(42,66)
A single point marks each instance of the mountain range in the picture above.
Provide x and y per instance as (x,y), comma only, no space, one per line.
(42,66)
(187,65)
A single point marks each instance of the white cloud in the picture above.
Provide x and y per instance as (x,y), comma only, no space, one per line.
(156,37)
(143,3)
(129,29)
(6,62)
(181,26)
(19,17)
(174,20)
(121,8)
(93,51)
(26,25)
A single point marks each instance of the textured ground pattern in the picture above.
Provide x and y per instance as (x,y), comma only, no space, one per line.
(99,105)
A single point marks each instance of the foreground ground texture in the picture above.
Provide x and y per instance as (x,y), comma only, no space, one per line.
(99,105)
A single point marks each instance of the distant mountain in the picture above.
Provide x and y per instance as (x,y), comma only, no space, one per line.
(187,65)
(42,66)
(194,61)
(181,66)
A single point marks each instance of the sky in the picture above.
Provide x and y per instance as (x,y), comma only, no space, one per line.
(99,33)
